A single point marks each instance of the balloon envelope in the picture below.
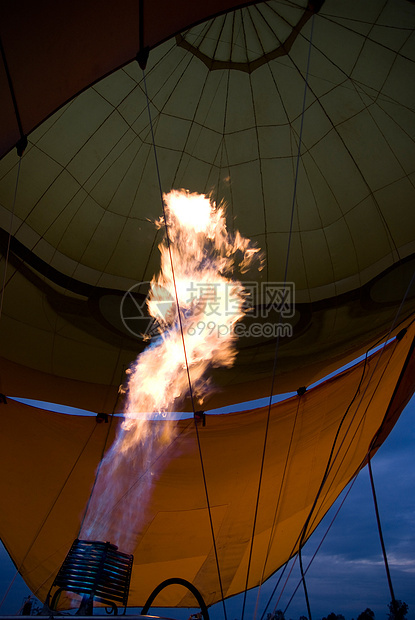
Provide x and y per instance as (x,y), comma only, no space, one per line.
(300,118)
(303,125)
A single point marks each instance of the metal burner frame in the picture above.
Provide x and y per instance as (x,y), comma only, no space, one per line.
(96,571)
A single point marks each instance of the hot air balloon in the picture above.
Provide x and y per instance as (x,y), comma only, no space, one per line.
(299,117)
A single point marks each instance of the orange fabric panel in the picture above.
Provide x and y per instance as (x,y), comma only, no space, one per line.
(48,462)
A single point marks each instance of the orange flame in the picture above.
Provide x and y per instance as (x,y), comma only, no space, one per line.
(196,303)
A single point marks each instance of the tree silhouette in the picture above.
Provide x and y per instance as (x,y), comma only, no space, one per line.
(334,616)
(278,615)
(367,614)
(397,610)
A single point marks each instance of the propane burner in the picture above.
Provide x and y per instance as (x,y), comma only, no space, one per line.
(94,570)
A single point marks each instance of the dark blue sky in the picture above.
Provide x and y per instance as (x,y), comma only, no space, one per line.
(348,573)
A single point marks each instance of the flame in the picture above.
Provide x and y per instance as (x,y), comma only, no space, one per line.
(195,302)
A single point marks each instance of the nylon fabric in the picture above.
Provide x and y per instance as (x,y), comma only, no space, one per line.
(84,232)
(39,448)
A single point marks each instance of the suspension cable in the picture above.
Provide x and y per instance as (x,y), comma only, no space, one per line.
(382,543)
(393,323)
(184,344)
(329,463)
(324,478)
(3,288)
(300,538)
(302,120)
(294,198)
(277,506)
(385,339)
(318,548)
(328,468)
(21,145)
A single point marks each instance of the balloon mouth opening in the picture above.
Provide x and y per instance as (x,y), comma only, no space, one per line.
(94,570)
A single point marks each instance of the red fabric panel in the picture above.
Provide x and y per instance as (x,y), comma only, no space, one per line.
(55,50)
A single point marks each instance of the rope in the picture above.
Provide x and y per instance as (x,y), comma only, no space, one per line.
(277,506)
(298,158)
(22,143)
(368,456)
(369,459)
(318,547)
(309,564)
(386,338)
(327,471)
(348,408)
(278,335)
(184,345)
(385,557)
(324,477)
(300,539)
(3,288)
